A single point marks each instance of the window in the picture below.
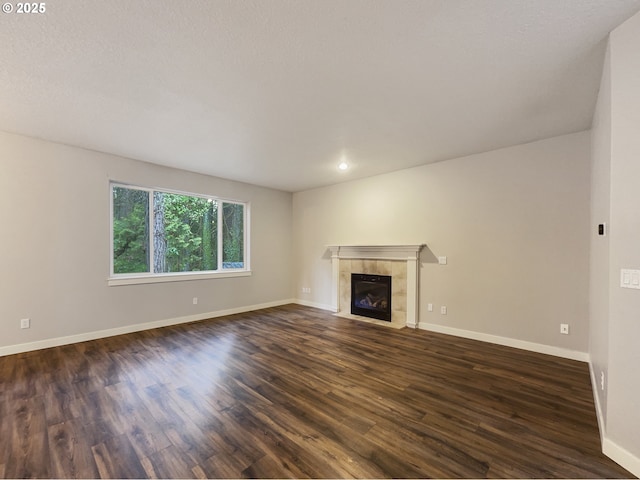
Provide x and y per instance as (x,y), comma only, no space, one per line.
(157,233)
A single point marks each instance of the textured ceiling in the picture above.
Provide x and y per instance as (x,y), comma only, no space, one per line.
(275,92)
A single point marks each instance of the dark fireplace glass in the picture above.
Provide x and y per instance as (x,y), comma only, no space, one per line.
(371,296)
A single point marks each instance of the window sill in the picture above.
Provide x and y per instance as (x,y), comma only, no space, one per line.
(173,277)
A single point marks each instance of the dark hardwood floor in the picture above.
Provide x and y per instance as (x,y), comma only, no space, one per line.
(296,392)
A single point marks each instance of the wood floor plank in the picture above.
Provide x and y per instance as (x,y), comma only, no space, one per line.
(143,431)
(71,457)
(116,458)
(181,430)
(296,392)
(225,466)
(340,457)
(27,449)
(168,463)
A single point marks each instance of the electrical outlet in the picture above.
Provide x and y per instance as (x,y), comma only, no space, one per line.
(430,307)
(602,381)
(442,260)
(306,289)
(195,300)
(564,328)
(443,310)
(25,323)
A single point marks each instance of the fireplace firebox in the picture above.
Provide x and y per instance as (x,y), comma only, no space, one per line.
(371,296)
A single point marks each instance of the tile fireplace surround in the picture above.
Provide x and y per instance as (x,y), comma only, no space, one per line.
(399,261)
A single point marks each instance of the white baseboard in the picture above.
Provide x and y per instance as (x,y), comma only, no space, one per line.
(621,456)
(322,306)
(83,337)
(611,449)
(508,342)
(596,400)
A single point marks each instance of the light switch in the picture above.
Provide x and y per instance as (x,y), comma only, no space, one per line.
(630,278)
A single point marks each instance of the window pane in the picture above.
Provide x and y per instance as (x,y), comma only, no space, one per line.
(233,235)
(130,230)
(160,232)
(185,233)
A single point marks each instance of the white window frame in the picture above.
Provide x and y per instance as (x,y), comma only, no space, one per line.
(116,279)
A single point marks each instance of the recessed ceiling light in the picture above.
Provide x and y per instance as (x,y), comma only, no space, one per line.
(343,165)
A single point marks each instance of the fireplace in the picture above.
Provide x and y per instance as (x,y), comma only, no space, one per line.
(371,296)
(401,262)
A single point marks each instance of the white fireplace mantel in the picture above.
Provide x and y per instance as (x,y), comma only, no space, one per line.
(406,253)
(376,252)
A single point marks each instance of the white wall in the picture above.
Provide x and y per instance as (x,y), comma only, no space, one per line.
(54,247)
(599,252)
(622,440)
(514,224)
